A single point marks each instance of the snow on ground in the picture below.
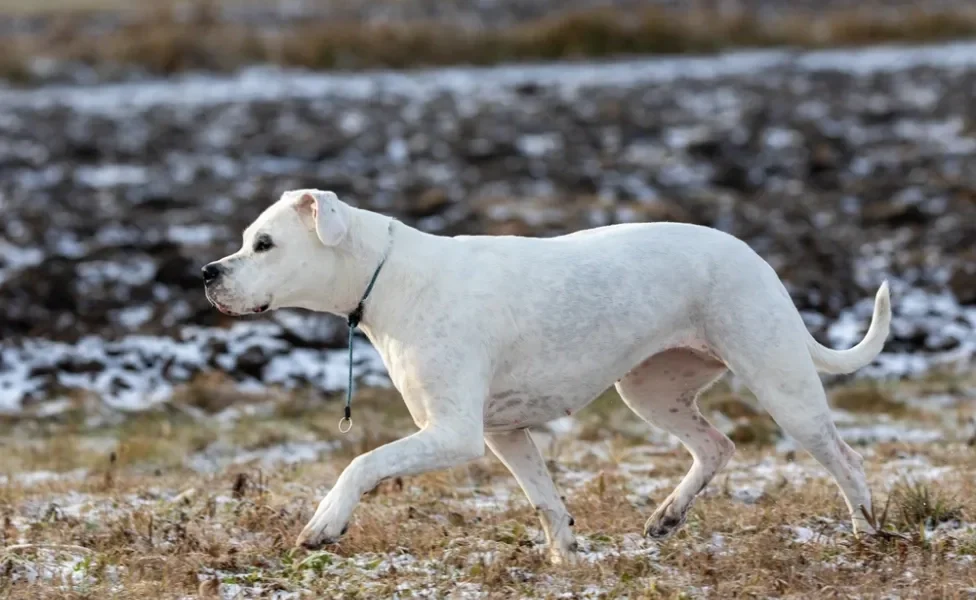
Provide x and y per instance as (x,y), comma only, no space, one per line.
(486,83)
(134,372)
(644,472)
(139,372)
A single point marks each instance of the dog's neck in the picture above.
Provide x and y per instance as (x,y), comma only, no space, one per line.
(406,269)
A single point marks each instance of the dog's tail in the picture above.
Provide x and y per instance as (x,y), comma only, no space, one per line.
(846,361)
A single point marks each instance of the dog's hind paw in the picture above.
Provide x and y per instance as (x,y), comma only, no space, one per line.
(663,523)
(662,529)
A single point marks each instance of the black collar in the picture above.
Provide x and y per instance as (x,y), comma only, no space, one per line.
(356,316)
(353,320)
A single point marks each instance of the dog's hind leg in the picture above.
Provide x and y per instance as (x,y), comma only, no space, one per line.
(795,398)
(662,390)
(765,344)
(518,452)
(757,331)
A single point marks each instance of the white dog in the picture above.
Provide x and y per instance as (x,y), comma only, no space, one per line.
(485,336)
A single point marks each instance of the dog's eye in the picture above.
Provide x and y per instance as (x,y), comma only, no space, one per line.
(263,244)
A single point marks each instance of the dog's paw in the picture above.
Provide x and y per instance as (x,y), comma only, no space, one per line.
(664,522)
(664,527)
(564,554)
(314,537)
(330,521)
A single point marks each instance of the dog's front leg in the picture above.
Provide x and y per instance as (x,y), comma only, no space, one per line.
(440,444)
(518,452)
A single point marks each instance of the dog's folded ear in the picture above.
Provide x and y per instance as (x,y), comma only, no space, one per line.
(328,214)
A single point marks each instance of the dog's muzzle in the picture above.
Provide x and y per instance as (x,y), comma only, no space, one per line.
(212,274)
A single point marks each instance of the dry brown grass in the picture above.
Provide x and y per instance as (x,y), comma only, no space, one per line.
(867,397)
(149,526)
(161,44)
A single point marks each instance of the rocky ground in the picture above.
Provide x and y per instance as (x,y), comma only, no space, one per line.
(840,168)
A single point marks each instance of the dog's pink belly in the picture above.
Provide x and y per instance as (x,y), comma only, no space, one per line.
(516,409)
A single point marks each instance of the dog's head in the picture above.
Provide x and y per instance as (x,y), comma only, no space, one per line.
(288,257)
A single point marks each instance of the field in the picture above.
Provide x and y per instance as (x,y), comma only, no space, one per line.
(187,502)
(152,447)
(108,39)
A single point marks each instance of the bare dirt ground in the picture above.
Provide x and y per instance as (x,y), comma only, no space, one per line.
(204,501)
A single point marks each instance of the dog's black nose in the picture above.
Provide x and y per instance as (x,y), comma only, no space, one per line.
(211,272)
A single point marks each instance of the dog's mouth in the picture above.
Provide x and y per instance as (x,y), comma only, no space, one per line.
(233,313)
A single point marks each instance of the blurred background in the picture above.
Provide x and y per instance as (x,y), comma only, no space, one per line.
(162,446)
(136,143)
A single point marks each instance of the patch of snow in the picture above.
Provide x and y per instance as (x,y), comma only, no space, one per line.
(65,569)
(496,83)
(134,317)
(803,535)
(237,591)
(478,499)
(219,456)
(748,482)
(888,432)
(192,235)
(14,259)
(31,478)
(108,176)
(539,145)
(138,372)
(592,552)
(912,469)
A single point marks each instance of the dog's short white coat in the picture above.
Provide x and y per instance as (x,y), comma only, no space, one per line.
(485,336)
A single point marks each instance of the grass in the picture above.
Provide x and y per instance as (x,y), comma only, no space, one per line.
(869,397)
(920,505)
(136,521)
(161,44)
